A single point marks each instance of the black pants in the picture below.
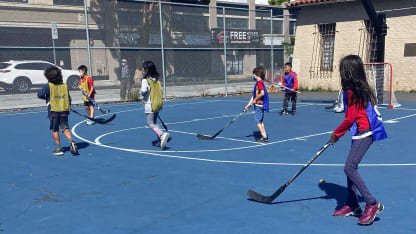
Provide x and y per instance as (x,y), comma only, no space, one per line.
(292,96)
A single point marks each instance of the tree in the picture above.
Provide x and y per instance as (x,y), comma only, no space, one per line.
(277,2)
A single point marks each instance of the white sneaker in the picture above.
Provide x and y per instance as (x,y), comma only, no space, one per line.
(164,140)
(90,122)
(338,109)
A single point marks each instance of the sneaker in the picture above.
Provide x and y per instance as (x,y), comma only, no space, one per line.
(262,140)
(293,112)
(164,140)
(58,151)
(370,213)
(348,211)
(90,122)
(338,108)
(73,147)
(283,112)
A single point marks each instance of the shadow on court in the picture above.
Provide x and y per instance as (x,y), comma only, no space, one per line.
(80,145)
(337,192)
(333,191)
(256,135)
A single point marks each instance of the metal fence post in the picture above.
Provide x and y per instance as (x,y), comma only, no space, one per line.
(88,35)
(271,46)
(225,52)
(162,50)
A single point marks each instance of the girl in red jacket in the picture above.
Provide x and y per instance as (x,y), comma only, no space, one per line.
(366,126)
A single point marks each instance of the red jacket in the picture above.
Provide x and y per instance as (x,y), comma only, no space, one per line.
(354,114)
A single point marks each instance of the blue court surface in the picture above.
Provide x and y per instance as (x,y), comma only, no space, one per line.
(122,183)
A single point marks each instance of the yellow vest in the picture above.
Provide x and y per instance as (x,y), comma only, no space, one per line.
(59,97)
(156,96)
(84,86)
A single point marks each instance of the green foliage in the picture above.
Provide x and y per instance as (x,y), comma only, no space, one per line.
(277,2)
(288,47)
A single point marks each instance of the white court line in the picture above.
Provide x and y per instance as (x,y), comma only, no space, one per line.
(232,161)
(228,161)
(98,139)
(225,138)
(403,117)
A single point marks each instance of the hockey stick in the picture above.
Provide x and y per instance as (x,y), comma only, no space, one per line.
(339,99)
(99,121)
(94,103)
(331,106)
(206,137)
(163,124)
(280,85)
(268,199)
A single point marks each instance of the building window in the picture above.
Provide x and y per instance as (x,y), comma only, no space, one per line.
(235,64)
(234,23)
(292,27)
(327,34)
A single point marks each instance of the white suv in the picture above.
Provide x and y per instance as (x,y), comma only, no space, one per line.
(20,76)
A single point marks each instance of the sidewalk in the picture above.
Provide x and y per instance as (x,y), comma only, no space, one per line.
(108,91)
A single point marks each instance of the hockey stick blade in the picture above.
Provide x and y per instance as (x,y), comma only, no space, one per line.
(258,197)
(99,121)
(265,199)
(331,106)
(268,199)
(105,121)
(103,111)
(204,137)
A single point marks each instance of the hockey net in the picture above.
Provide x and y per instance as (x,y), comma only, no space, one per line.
(380,78)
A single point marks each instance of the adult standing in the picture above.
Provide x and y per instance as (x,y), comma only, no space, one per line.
(125,80)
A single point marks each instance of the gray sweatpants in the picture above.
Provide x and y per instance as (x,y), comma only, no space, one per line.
(354,180)
(151,119)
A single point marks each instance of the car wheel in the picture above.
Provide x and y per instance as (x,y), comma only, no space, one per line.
(73,82)
(22,85)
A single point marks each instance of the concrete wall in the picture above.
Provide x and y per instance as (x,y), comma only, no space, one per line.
(349,18)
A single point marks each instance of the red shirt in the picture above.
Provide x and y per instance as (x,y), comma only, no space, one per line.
(354,114)
(260,87)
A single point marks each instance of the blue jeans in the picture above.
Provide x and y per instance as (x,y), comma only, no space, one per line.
(258,114)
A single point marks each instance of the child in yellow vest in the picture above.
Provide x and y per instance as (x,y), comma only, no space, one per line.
(151,91)
(86,83)
(58,100)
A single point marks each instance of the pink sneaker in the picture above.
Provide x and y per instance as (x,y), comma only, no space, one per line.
(348,211)
(370,213)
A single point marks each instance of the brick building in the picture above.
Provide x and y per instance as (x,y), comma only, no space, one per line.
(327,30)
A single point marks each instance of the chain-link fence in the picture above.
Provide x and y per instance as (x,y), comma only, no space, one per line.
(198,49)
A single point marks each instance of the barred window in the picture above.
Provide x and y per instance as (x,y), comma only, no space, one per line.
(371,42)
(368,42)
(327,34)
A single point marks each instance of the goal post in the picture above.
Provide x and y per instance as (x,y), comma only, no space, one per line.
(380,78)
